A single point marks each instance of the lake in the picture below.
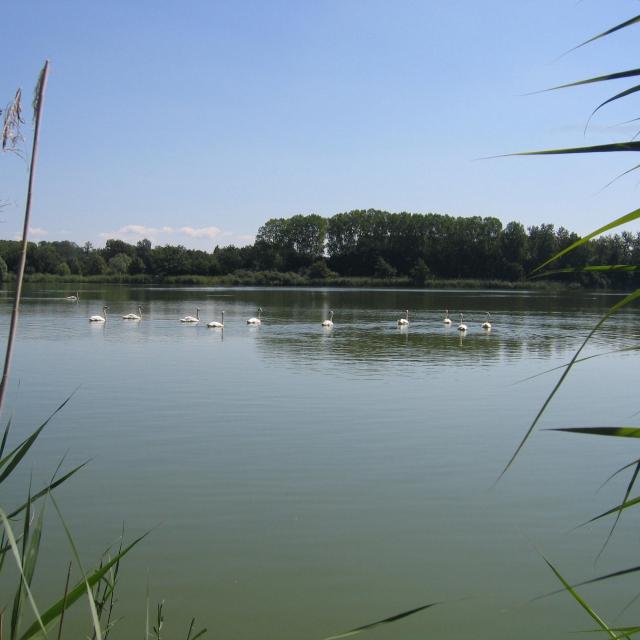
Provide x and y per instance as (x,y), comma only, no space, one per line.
(300,482)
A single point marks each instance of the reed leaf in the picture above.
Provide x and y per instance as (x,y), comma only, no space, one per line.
(600,268)
(47,489)
(13,458)
(622,94)
(388,620)
(579,360)
(618,432)
(608,76)
(576,596)
(620,507)
(31,547)
(5,435)
(614,309)
(606,576)
(38,625)
(72,544)
(55,610)
(618,27)
(629,217)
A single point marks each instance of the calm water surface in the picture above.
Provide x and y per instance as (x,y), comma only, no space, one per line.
(302,481)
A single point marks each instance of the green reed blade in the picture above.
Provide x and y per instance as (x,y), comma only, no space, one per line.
(622,25)
(618,432)
(620,507)
(77,592)
(5,435)
(72,544)
(624,268)
(562,366)
(622,94)
(614,309)
(48,489)
(388,620)
(608,76)
(12,459)
(576,596)
(38,624)
(607,576)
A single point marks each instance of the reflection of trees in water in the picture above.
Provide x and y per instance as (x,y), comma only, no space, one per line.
(378,347)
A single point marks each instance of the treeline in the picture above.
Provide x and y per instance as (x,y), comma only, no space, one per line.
(362,243)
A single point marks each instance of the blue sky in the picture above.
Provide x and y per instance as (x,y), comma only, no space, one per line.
(194,122)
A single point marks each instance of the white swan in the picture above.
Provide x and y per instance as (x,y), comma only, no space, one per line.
(73,298)
(486,324)
(191,319)
(100,318)
(462,326)
(329,321)
(256,320)
(447,319)
(217,325)
(403,322)
(133,316)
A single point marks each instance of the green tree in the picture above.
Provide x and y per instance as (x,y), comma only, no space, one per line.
(4,271)
(94,265)
(120,263)
(383,269)
(63,269)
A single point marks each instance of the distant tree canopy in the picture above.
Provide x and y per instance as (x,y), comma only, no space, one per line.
(356,243)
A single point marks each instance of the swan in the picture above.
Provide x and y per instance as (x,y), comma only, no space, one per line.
(100,318)
(256,320)
(447,319)
(329,321)
(462,326)
(73,298)
(133,316)
(191,318)
(403,322)
(217,325)
(486,324)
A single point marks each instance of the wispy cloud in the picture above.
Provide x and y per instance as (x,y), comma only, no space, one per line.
(141,231)
(34,232)
(199,236)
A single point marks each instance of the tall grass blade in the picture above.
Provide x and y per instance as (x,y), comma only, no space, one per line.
(13,325)
(5,435)
(64,601)
(576,596)
(622,25)
(55,610)
(13,458)
(604,78)
(622,94)
(607,576)
(38,624)
(579,360)
(31,547)
(388,620)
(621,507)
(618,432)
(599,268)
(614,309)
(47,489)
(92,604)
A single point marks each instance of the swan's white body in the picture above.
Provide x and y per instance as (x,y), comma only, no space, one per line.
(403,322)
(256,320)
(191,319)
(217,325)
(329,321)
(133,316)
(447,319)
(486,324)
(73,298)
(462,326)
(100,318)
